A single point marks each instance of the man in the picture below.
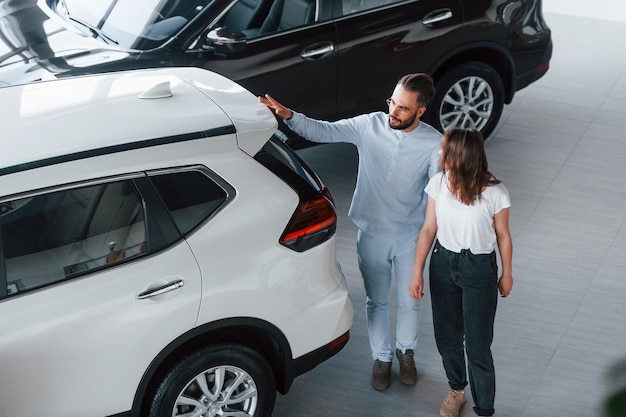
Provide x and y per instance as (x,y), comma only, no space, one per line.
(397,155)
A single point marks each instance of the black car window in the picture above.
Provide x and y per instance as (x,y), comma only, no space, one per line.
(256,18)
(288,14)
(190,196)
(354,6)
(54,236)
(246,15)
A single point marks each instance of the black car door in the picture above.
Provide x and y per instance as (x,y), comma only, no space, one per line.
(295,62)
(382,40)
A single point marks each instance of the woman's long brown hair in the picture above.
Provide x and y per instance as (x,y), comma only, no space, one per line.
(464,159)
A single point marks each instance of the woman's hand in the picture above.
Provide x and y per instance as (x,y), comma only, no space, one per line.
(416,285)
(505,284)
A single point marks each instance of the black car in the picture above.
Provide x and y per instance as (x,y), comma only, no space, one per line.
(326,58)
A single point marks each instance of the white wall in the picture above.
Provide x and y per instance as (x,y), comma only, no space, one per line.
(596,9)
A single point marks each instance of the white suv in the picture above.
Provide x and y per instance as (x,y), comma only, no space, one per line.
(163,254)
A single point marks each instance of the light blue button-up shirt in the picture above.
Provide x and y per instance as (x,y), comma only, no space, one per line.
(394,167)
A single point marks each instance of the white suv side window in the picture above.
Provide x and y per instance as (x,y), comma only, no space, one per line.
(191,197)
(51,237)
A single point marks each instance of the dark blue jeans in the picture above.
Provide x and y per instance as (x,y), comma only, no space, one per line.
(464,295)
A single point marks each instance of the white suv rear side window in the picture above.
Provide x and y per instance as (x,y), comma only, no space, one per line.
(190,196)
(55,236)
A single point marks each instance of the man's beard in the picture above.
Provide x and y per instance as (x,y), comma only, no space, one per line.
(404,124)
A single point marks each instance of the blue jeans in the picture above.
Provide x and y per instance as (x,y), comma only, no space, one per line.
(464,295)
(377,258)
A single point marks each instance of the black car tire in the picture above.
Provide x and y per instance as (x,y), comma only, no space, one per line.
(469,95)
(216,380)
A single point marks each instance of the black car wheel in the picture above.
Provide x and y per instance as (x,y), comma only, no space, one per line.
(217,381)
(470,95)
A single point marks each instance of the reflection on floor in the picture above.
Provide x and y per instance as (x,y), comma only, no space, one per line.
(561,150)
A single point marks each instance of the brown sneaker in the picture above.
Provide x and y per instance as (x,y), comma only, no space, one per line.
(381,375)
(452,404)
(408,373)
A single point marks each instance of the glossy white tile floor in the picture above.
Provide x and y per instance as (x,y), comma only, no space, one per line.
(561,151)
(598,9)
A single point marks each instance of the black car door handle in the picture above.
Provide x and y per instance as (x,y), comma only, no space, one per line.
(317,51)
(437,16)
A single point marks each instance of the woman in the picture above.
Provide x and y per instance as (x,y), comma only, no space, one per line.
(468,213)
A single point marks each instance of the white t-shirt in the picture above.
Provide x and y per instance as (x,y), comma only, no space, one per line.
(460,226)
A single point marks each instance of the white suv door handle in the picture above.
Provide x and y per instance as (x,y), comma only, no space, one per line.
(170,286)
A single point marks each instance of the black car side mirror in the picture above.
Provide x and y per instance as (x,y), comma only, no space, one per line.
(226,40)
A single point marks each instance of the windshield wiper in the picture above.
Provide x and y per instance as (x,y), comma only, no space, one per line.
(96,32)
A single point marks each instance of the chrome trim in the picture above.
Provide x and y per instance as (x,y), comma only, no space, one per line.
(170,286)
(315,53)
(437,17)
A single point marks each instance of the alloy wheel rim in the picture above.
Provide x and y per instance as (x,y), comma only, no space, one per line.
(219,391)
(469,103)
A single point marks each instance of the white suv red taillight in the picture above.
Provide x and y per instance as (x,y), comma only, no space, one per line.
(313,222)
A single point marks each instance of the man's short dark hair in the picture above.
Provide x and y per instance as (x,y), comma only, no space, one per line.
(419,83)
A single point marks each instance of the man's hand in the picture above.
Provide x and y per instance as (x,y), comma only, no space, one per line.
(280,110)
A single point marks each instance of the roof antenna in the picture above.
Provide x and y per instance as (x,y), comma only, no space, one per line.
(161,90)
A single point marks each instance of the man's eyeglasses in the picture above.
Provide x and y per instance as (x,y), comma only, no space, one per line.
(400,109)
